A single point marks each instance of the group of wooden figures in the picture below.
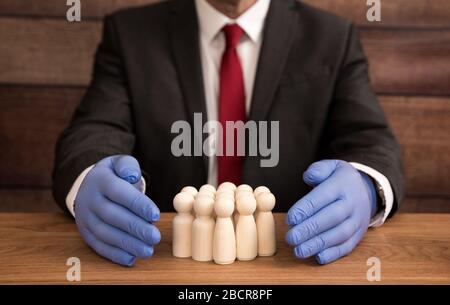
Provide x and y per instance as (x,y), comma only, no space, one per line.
(224,224)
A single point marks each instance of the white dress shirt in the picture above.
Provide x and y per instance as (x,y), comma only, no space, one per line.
(212,46)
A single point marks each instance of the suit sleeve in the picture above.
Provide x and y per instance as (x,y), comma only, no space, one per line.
(356,129)
(102,124)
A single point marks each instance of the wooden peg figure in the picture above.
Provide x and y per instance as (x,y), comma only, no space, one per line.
(224,191)
(226,195)
(260,189)
(182,225)
(203,229)
(227,185)
(224,243)
(206,193)
(190,189)
(246,232)
(244,187)
(256,192)
(207,187)
(238,195)
(265,224)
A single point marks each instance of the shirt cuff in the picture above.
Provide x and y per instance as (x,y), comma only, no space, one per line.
(72,195)
(387,195)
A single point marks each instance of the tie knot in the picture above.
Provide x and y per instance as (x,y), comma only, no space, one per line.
(233,33)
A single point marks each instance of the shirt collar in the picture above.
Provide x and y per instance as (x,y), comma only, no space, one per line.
(211,21)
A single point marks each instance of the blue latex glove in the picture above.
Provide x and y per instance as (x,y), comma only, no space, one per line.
(115,218)
(330,220)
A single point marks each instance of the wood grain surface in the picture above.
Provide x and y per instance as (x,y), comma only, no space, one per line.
(31,119)
(413,248)
(56,52)
(422,125)
(399,13)
(29,200)
(47,51)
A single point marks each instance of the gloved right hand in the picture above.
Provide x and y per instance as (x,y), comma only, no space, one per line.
(114,218)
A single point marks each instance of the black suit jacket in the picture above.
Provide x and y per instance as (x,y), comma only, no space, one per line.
(312,77)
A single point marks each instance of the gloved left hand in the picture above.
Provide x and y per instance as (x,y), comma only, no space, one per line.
(330,220)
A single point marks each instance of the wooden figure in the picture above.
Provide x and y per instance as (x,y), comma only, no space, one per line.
(182,225)
(246,232)
(224,243)
(265,224)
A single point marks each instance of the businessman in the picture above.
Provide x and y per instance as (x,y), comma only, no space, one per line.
(339,169)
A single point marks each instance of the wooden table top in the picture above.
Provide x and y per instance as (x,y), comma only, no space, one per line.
(413,248)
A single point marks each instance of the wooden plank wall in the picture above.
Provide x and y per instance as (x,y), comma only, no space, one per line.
(45,66)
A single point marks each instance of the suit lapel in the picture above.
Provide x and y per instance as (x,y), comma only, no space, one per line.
(278,35)
(277,40)
(185,47)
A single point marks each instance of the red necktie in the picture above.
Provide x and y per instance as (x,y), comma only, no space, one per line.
(231,103)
